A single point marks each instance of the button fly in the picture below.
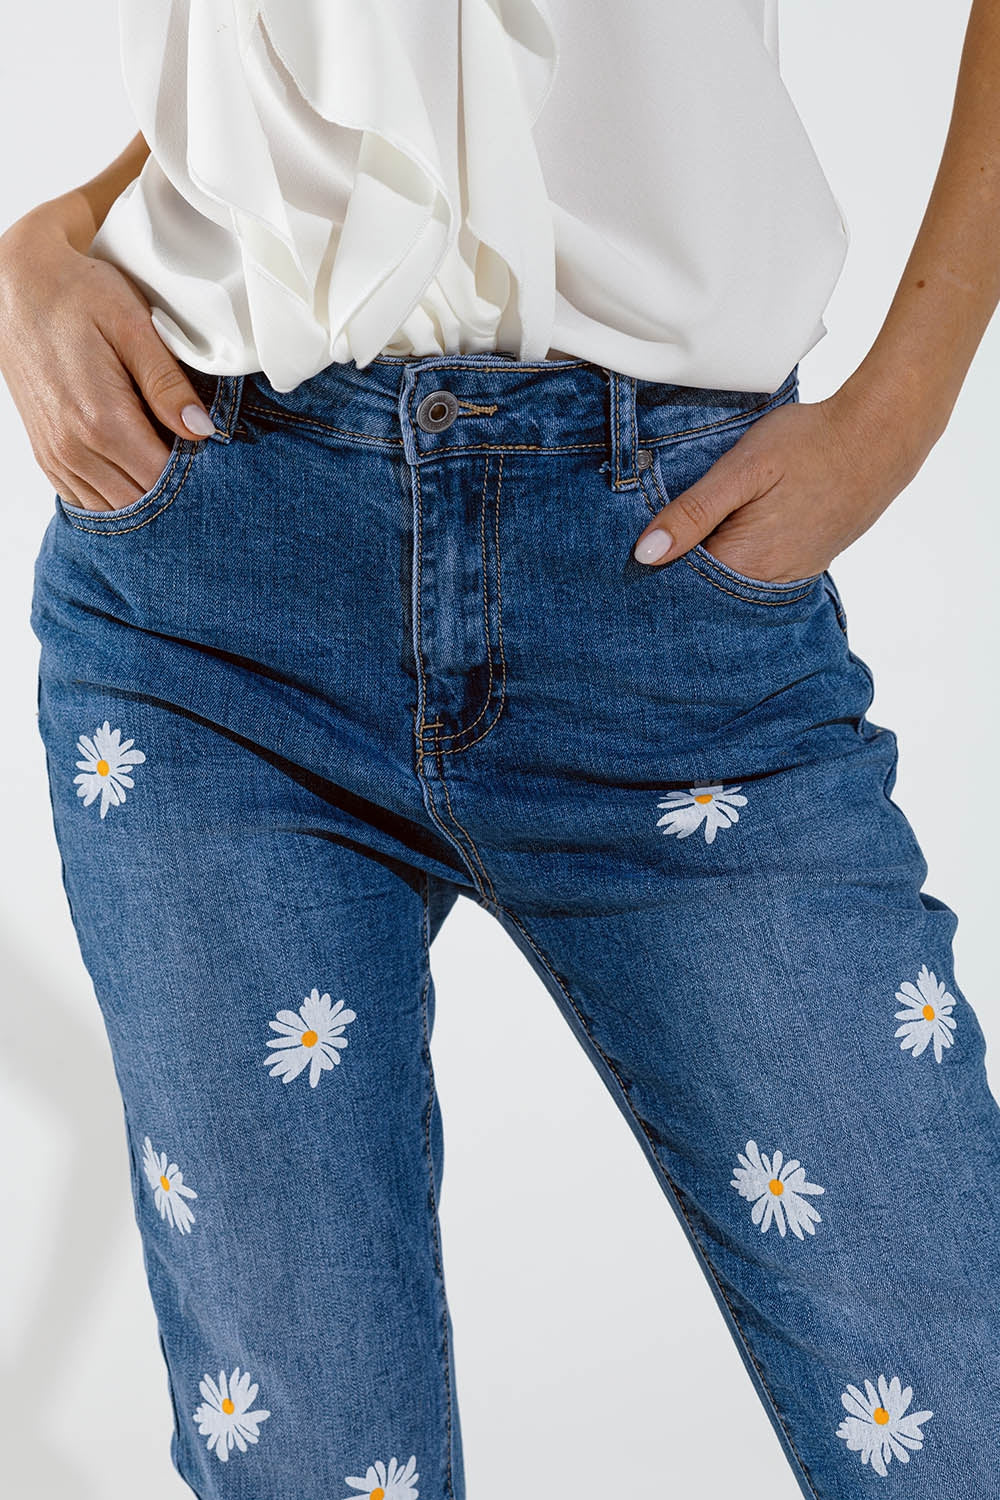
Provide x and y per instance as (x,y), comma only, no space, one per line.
(437,411)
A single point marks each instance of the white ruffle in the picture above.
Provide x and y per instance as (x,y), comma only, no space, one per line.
(329,180)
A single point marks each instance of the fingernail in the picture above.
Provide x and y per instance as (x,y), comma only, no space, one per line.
(654,545)
(197,421)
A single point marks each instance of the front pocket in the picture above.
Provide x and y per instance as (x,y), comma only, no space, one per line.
(759,590)
(220,395)
(674,469)
(148,506)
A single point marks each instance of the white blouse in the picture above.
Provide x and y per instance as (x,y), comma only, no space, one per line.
(624,181)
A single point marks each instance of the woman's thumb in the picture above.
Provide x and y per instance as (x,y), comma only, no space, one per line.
(164,386)
(695,512)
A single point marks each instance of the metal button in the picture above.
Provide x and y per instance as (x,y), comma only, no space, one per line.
(437,411)
(643,458)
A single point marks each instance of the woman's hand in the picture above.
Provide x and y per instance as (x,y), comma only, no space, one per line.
(801,484)
(74,335)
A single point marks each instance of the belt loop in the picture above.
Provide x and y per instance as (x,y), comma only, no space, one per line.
(224,408)
(622,431)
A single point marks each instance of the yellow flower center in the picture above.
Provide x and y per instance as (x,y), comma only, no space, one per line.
(777,1188)
(165,1184)
(928,1012)
(103,768)
(705,797)
(880,1415)
(377,1494)
(310,1038)
(228,1407)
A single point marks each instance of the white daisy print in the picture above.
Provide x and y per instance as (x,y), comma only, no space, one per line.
(312,1038)
(776,1191)
(224,1417)
(104,771)
(878,1427)
(928,1014)
(169,1188)
(387,1482)
(711,806)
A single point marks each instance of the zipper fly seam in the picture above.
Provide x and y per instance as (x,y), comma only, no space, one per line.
(457,734)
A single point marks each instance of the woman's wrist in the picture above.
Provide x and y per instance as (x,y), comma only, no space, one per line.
(66,221)
(74,217)
(54,231)
(898,403)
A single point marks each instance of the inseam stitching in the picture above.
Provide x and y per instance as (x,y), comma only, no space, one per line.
(674,1189)
(491,895)
(432,807)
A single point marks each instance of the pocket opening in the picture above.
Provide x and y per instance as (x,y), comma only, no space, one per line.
(221,396)
(782,588)
(714,571)
(133,505)
(166,487)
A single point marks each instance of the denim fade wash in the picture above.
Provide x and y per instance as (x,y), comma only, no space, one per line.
(363,652)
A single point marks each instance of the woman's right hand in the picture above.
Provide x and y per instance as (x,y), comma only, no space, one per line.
(80,357)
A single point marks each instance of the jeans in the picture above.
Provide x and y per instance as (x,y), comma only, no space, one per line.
(380,643)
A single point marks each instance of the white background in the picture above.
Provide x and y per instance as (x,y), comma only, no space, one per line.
(592,1359)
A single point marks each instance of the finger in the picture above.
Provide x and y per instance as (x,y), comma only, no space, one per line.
(691,515)
(96,483)
(115,454)
(163,384)
(114,483)
(76,491)
(130,442)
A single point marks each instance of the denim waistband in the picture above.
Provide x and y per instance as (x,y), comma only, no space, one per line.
(502,403)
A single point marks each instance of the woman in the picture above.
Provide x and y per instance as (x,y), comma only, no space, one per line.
(436,516)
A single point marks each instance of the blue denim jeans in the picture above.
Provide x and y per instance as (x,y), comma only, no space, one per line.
(381,643)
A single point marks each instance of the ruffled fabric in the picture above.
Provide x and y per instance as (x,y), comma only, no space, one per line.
(329,181)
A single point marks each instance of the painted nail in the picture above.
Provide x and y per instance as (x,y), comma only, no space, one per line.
(654,545)
(197,421)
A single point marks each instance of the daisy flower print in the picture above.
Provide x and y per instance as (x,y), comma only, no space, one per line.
(708,807)
(169,1188)
(879,1427)
(927,1016)
(224,1416)
(104,771)
(777,1192)
(312,1038)
(393,1481)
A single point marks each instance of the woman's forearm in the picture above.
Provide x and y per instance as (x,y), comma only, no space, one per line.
(80,212)
(807,479)
(950,286)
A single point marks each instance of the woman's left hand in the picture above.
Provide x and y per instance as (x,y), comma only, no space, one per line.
(802,483)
